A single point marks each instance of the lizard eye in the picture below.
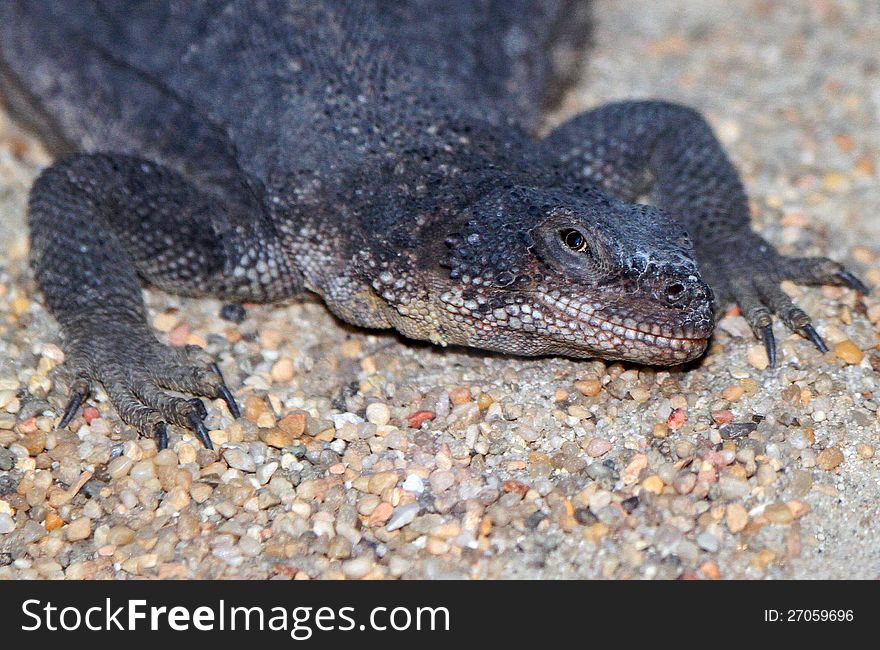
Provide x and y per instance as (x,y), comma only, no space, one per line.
(574,240)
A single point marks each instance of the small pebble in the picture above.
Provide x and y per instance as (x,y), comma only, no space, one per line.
(598,447)
(588,387)
(736,517)
(7,523)
(848,352)
(78,529)
(829,458)
(239,459)
(402,516)
(757,357)
(865,450)
(378,414)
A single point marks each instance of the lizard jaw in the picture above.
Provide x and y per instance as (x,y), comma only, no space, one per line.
(626,335)
(539,323)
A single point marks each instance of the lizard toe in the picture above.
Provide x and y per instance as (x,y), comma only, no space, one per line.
(820,270)
(200,376)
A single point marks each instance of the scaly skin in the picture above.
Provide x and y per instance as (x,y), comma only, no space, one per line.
(380,155)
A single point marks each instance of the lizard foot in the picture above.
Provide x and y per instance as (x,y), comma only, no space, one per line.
(137,375)
(757,292)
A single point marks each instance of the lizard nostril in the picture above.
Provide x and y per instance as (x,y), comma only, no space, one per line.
(674,291)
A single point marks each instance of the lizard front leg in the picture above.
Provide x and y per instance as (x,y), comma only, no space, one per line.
(97,223)
(631,148)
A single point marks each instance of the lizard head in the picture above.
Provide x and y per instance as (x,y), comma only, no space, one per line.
(577,273)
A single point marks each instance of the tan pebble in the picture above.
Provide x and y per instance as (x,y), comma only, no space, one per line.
(186,453)
(750,386)
(679,402)
(119,467)
(653,484)
(598,447)
(200,492)
(381,481)
(588,387)
(282,371)
(596,532)
(794,219)
(779,513)
(120,536)
(460,395)
(710,570)
(484,401)
(798,508)
(351,349)
(197,340)
(266,420)
(661,430)
(830,458)
(733,393)
(254,407)
(78,529)
(53,352)
(165,322)
(765,475)
(380,514)
(757,357)
(849,352)
(166,457)
(177,499)
(865,450)
(436,546)
(640,395)
(865,166)
(337,468)
(835,182)
(35,443)
(737,517)
(560,395)
(293,424)
(636,465)
(271,338)
(53,522)
(378,413)
(219,437)
(19,305)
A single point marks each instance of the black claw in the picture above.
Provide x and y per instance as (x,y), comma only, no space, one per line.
(769,344)
(226,394)
(200,407)
(160,435)
(78,393)
(810,332)
(198,426)
(853,282)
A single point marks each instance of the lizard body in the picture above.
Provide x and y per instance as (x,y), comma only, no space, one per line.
(379,154)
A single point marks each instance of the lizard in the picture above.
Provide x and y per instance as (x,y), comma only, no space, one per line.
(383,155)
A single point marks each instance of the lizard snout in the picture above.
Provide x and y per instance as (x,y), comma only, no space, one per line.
(688,293)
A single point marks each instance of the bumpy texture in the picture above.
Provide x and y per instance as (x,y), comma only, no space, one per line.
(379,154)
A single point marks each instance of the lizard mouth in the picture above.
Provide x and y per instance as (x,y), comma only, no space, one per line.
(653,335)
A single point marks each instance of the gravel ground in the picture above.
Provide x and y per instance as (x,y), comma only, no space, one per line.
(367,456)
